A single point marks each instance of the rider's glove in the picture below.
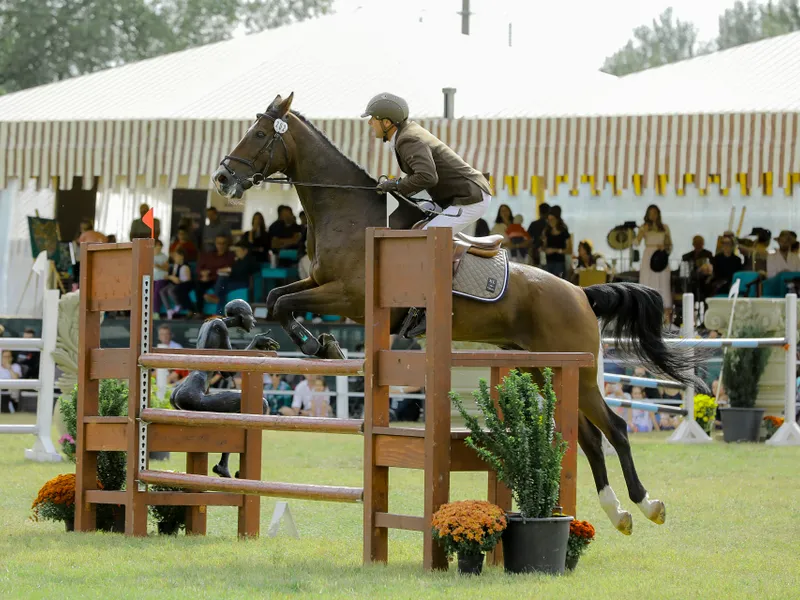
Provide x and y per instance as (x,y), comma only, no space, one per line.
(389,185)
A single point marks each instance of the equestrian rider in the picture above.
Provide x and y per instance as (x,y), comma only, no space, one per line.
(429,165)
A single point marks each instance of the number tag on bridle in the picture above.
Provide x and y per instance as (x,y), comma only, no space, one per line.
(280,126)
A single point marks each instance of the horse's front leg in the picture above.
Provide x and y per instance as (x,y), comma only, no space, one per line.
(297,286)
(327,299)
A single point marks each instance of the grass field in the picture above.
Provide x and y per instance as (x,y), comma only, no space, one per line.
(733,521)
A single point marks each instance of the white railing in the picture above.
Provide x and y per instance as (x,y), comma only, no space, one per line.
(43,449)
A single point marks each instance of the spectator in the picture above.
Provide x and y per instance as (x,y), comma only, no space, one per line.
(536,230)
(28,361)
(184,241)
(236,277)
(214,229)
(640,420)
(724,265)
(9,401)
(208,269)
(518,240)
(89,235)
(700,269)
(277,402)
(140,230)
(160,272)
(784,259)
(320,401)
(179,284)
(285,234)
(557,245)
(503,219)
(482,228)
(111,239)
(165,338)
(258,238)
(301,403)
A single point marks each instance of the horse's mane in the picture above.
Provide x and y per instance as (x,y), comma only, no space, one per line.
(333,146)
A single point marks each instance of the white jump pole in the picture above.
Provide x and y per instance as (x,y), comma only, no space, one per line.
(342,396)
(788,434)
(689,432)
(43,449)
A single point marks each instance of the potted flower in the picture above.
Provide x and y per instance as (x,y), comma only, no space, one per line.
(705,409)
(469,528)
(111,465)
(581,534)
(170,519)
(772,424)
(742,369)
(524,449)
(56,501)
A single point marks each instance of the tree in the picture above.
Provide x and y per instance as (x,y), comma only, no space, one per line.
(739,25)
(665,42)
(42,41)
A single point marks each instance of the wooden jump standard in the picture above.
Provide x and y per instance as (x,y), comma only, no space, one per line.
(119,276)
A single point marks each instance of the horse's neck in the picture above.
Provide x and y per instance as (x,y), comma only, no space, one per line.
(317,161)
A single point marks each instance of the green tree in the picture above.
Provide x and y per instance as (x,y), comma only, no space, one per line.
(667,41)
(739,25)
(42,41)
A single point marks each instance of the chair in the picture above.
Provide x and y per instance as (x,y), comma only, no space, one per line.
(747,278)
(587,277)
(288,255)
(237,294)
(776,287)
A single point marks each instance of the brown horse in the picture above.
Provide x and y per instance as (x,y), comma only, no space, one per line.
(538,312)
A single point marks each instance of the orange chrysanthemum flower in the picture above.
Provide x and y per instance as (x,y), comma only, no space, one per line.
(469,525)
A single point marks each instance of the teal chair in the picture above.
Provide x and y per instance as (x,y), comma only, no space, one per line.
(288,255)
(746,278)
(209,308)
(776,287)
(240,294)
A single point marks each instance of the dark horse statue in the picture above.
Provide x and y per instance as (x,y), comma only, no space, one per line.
(538,312)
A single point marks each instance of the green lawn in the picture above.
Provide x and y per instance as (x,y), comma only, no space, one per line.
(733,519)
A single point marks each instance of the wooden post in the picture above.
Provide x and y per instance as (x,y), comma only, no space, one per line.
(376,409)
(498,494)
(439,335)
(565,386)
(88,401)
(250,461)
(196,516)
(138,381)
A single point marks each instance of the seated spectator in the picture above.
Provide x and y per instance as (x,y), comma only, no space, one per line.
(301,403)
(699,267)
(640,420)
(185,242)
(783,259)
(285,234)
(111,239)
(724,265)
(160,272)
(28,361)
(208,269)
(320,400)
(277,402)
(214,229)
(258,239)
(89,235)
(140,230)
(649,393)
(236,277)
(179,284)
(165,338)
(9,400)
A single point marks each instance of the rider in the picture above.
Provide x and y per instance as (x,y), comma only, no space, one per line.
(432,166)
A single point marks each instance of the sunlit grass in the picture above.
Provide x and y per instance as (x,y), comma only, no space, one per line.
(731,532)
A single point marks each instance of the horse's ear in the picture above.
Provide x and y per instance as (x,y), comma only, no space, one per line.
(284,106)
(275,103)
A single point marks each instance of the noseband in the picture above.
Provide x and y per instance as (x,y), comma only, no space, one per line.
(280,127)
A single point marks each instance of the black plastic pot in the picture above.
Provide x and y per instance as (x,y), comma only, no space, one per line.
(69,523)
(171,527)
(535,545)
(572,562)
(470,564)
(741,424)
(159,455)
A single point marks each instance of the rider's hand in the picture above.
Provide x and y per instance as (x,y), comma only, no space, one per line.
(389,185)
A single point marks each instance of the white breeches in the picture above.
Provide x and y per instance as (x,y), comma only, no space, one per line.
(469,214)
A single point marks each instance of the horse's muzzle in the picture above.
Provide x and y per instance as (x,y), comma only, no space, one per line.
(227,183)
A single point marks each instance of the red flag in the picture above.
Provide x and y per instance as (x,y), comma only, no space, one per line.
(147,219)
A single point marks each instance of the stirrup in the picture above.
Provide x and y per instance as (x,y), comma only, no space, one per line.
(414,324)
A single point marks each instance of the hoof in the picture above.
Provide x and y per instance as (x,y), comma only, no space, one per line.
(221,471)
(625,523)
(329,347)
(659,512)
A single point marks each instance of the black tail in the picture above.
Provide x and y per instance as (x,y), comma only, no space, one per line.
(633,314)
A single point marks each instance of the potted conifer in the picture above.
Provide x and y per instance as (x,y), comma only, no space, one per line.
(742,369)
(524,449)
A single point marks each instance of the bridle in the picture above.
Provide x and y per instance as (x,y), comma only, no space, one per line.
(258,177)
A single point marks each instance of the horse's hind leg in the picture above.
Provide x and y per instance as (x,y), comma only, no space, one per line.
(594,407)
(591,442)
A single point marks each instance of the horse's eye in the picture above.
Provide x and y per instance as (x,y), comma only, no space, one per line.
(261,134)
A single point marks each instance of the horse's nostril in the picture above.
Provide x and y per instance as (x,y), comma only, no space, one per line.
(222,179)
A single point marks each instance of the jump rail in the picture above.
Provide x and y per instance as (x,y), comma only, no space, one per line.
(648,406)
(394,259)
(644,382)
(43,448)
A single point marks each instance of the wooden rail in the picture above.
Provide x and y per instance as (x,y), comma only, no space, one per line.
(328,493)
(190,418)
(253,364)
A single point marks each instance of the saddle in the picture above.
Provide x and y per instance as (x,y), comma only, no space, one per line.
(485,247)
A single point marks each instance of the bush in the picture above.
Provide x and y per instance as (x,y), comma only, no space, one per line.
(743,368)
(522,446)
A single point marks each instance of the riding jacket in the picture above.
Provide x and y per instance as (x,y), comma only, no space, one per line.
(433,166)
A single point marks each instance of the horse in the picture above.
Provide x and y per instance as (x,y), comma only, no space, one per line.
(538,312)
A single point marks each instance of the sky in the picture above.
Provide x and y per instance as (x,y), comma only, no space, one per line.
(583,32)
